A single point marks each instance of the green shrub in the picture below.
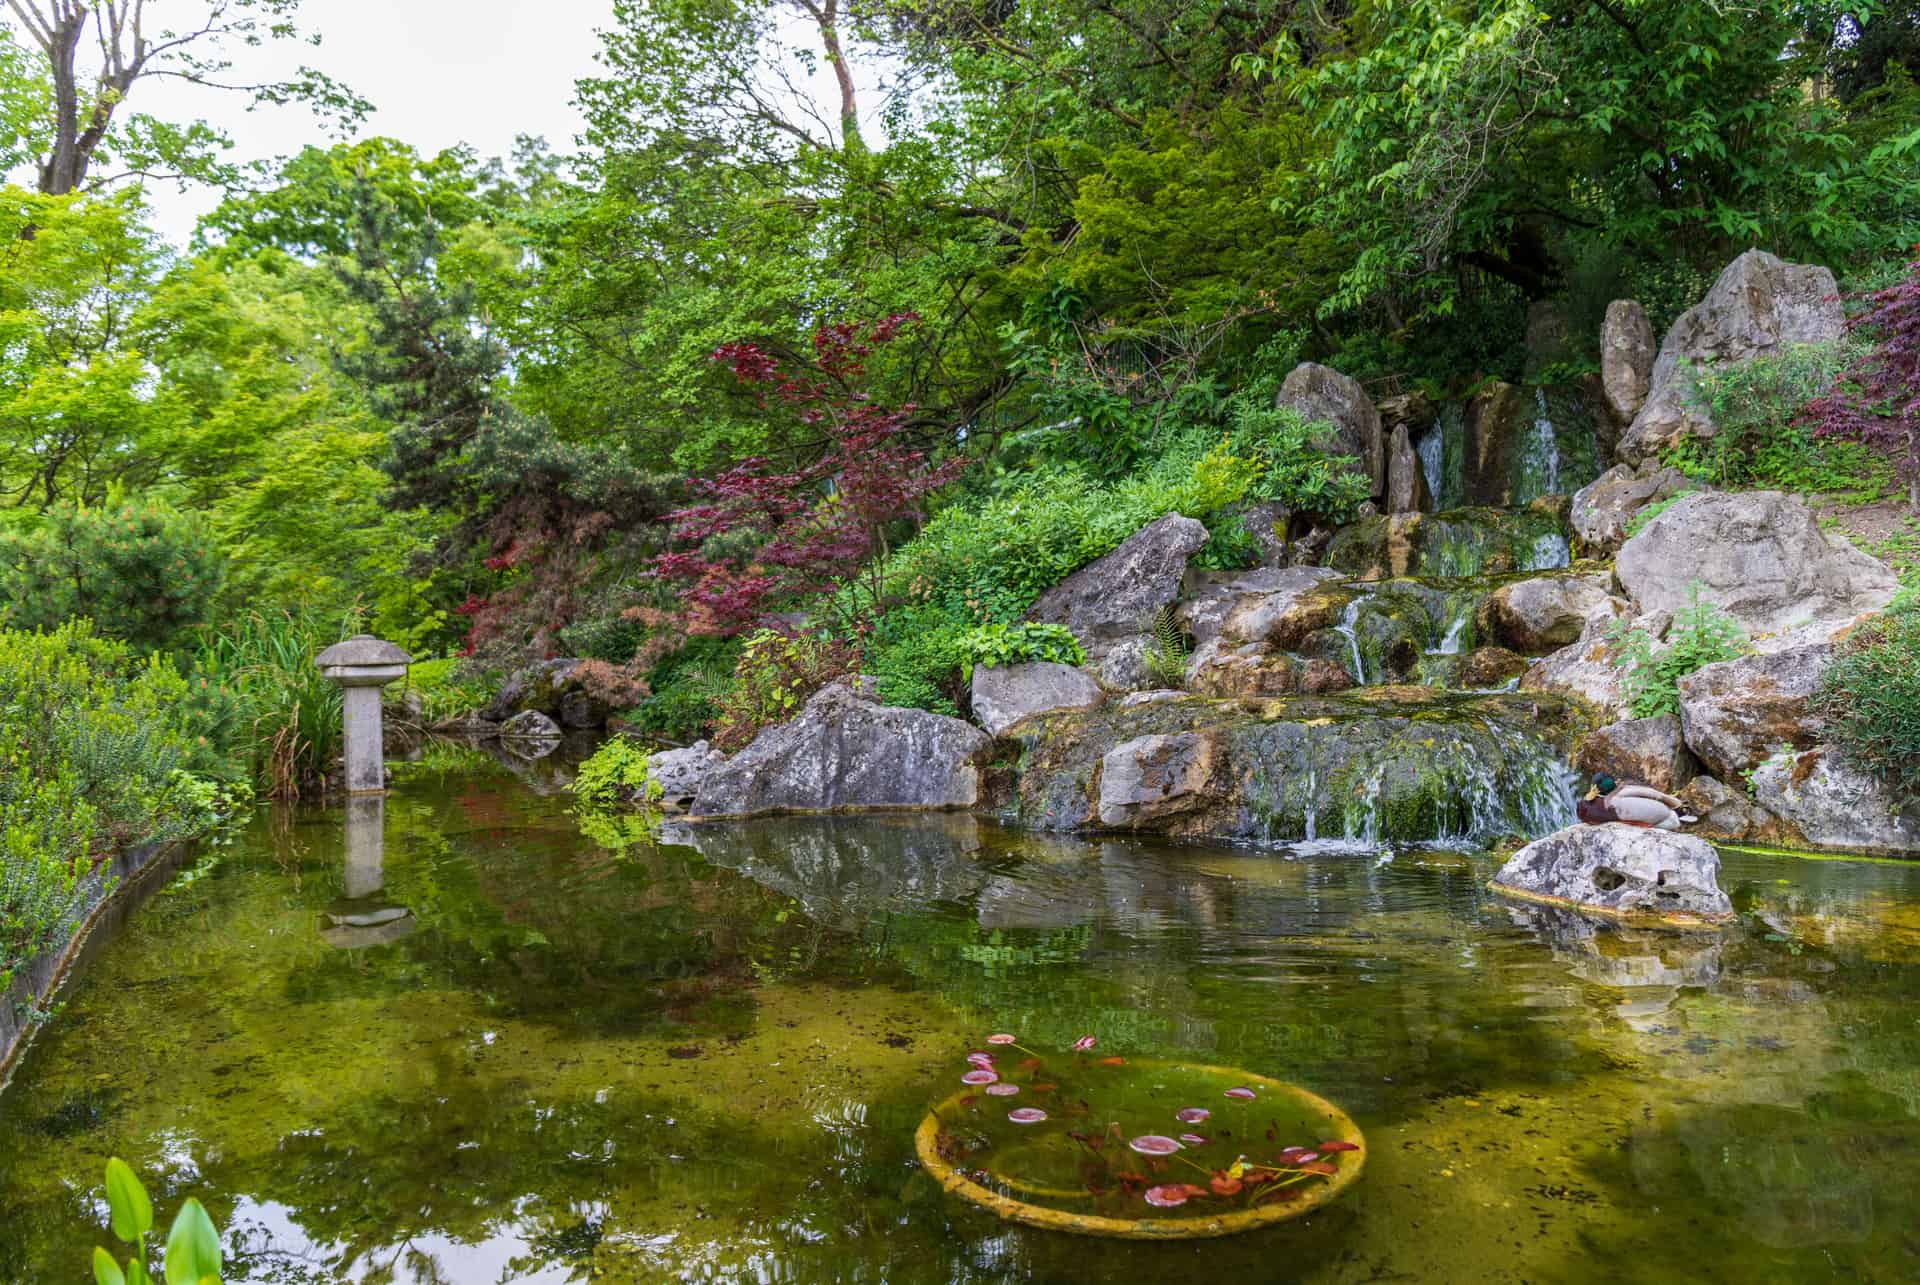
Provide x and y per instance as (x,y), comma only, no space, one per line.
(1166,658)
(1869,697)
(1018,644)
(94,752)
(140,571)
(1701,635)
(688,686)
(774,678)
(286,730)
(915,652)
(445,688)
(1760,439)
(614,774)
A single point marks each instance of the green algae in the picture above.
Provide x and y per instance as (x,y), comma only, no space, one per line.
(705,1060)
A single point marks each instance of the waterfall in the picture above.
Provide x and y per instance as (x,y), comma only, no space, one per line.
(1450,644)
(1432,449)
(1538,467)
(1548,552)
(1348,619)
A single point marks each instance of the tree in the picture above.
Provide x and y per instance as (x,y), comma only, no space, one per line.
(1877,399)
(84,119)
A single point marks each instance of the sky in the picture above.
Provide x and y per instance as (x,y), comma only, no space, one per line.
(439,72)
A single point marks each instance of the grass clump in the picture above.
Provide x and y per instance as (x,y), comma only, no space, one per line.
(1869,697)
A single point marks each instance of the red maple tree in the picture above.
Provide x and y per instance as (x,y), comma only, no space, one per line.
(1876,401)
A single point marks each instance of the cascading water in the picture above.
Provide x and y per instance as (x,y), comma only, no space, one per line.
(1450,641)
(1432,449)
(1548,552)
(1539,464)
(1348,619)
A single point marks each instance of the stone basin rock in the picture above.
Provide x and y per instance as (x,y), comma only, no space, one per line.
(1621,870)
(1541,614)
(846,752)
(1651,751)
(1758,555)
(680,773)
(1830,803)
(1003,695)
(1603,509)
(1758,307)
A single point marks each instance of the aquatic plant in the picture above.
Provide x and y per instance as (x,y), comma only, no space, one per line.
(192,1254)
(1108,1162)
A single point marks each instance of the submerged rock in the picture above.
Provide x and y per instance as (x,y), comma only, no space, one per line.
(1651,751)
(1758,555)
(1621,870)
(1831,803)
(1320,394)
(1604,507)
(844,751)
(1003,695)
(679,774)
(530,725)
(1759,306)
(1626,359)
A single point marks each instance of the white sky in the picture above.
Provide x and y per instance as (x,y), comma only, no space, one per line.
(438,72)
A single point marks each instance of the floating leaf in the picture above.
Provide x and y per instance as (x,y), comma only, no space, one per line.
(1154,1144)
(1327,1147)
(1084,1043)
(1167,1196)
(999,1039)
(979,1075)
(1191,1115)
(1242,1093)
(1226,1185)
(1026,1115)
(1320,1167)
(1002,1089)
(1113,1061)
(1194,1139)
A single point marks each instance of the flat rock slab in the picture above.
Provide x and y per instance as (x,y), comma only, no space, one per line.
(1621,871)
(1115,596)
(1004,695)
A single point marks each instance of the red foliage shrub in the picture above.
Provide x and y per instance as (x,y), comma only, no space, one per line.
(1876,401)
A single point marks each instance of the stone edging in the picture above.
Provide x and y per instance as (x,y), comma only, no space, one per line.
(106,906)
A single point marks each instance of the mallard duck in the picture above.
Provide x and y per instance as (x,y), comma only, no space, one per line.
(1632,804)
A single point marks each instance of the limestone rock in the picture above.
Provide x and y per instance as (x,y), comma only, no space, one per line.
(1626,359)
(1122,666)
(1324,395)
(1406,483)
(1759,306)
(1415,410)
(1728,816)
(1833,804)
(1738,712)
(1116,596)
(1621,870)
(1603,508)
(846,753)
(679,774)
(1758,555)
(1542,614)
(530,725)
(1153,777)
(1651,751)
(1005,694)
(1585,668)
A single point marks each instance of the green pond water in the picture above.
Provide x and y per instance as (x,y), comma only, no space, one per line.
(536,1060)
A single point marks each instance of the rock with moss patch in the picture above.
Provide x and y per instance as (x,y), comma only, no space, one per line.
(1114,599)
(1542,614)
(1605,507)
(1154,777)
(1621,870)
(1831,803)
(1738,712)
(1320,394)
(1587,668)
(1728,816)
(679,774)
(1652,751)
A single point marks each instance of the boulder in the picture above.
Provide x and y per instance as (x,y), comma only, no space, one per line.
(1626,359)
(1651,751)
(1758,555)
(1542,614)
(1759,306)
(1728,816)
(538,686)
(1005,694)
(1116,596)
(529,725)
(679,774)
(1585,668)
(1833,804)
(1320,394)
(1482,669)
(845,752)
(1621,870)
(1738,712)
(1406,482)
(1415,410)
(1604,507)
(1151,778)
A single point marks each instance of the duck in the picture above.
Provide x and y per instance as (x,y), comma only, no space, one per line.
(1630,804)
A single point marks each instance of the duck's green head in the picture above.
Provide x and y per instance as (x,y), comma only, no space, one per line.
(1604,783)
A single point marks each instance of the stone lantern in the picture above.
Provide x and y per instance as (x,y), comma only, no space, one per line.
(363,665)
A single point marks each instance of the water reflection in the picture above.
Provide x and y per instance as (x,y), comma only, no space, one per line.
(364,916)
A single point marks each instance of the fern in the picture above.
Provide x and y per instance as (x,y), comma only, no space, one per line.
(1166,659)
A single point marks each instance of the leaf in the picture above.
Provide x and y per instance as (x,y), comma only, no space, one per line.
(105,1270)
(132,1211)
(193,1247)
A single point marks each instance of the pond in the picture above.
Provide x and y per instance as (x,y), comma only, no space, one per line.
(524,1057)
